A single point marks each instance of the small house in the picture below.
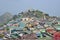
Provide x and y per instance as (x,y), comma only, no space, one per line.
(29,36)
(2,30)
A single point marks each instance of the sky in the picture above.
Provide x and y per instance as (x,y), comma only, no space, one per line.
(51,7)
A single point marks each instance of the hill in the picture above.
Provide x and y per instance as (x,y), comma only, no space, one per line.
(32,13)
(5,18)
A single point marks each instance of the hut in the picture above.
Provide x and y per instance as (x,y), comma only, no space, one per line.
(2,30)
(29,36)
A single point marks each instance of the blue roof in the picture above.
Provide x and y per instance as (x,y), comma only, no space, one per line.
(22,25)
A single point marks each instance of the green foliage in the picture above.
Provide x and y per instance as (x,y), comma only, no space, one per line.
(1,24)
(46,14)
(1,35)
(15,16)
(7,28)
(38,13)
(33,13)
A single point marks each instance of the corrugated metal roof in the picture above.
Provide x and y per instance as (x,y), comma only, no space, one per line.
(1,28)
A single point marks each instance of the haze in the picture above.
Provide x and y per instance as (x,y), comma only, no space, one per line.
(52,7)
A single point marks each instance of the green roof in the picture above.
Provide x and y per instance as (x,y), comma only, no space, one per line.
(57,27)
(42,30)
(49,23)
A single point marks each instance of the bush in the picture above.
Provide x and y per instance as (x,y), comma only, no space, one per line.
(1,35)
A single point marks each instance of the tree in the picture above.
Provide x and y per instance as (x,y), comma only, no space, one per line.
(29,11)
(15,16)
(46,14)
